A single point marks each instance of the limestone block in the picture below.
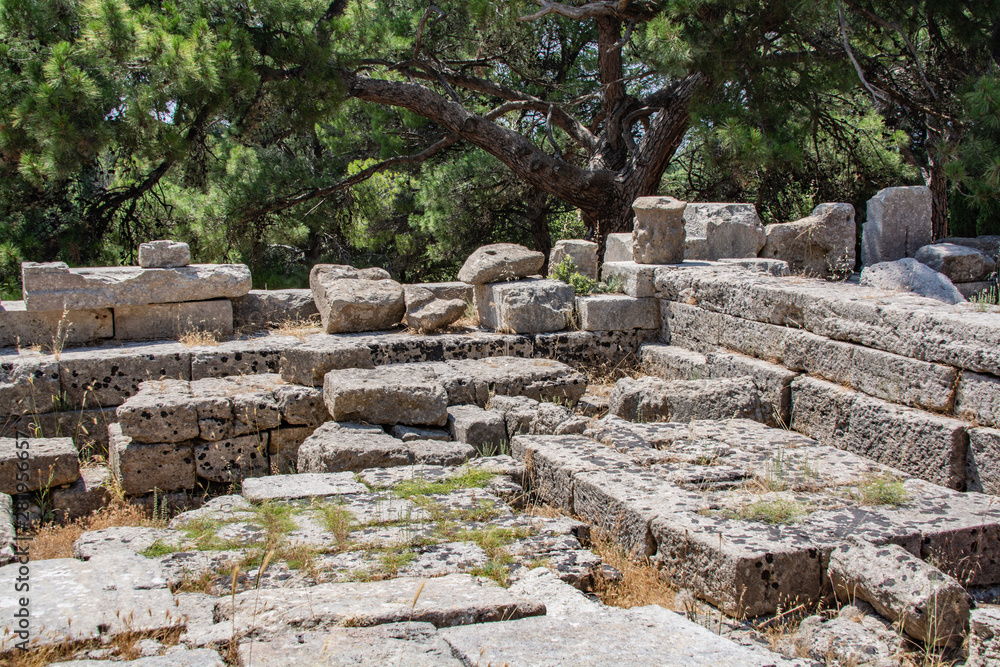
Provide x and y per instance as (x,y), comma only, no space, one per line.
(170,321)
(658,234)
(382,396)
(164,254)
(982,473)
(55,286)
(500,261)
(301,405)
(335,447)
(309,362)
(772,267)
(232,459)
(262,309)
(28,386)
(852,638)
(163,411)
(898,224)
(141,468)
(411,433)
(7,532)
(23,328)
(583,254)
(984,639)
(617,312)
(89,493)
(636,279)
(773,383)
(476,380)
(909,275)
(106,377)
(483,429)
(30,464)
(670,362)
(729,230)
(960,263)
(283,446)
(820,245)
(618,248)
(988,245)
(356,304)
(449,291)
(591,347)
(434,314)
(525,306)
(931,606)
(440,453)
(247,356)
(87,428)
(306,485)
(978,398)
(653,399)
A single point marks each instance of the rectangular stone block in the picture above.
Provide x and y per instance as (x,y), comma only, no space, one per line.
(978,398)
(308,362)
(619,248)
(386,395)
(142,468)
(773,382)
(250,356)
(394,348)
(89,493)
(983,471)
(617,312)
(447,291)
(106,377)
(636,279)
(670,362)
(170,321)
(301,405)
(28,386)
(525,306)
(232,459)
(55,286)
(599,348)
(20,327)
(689,327)
(483,429)
(898,224)
(919,443)
(30,464)
(263,309)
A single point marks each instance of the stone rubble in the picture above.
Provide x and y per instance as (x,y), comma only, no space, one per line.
(909,275)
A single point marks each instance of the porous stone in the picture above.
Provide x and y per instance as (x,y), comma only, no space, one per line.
(729,230)
(8,534)
(483,429)
(30,464)
(141,468)
(410,433)
(909,275)
(617,312)
(55,286)
(500,261)
(978,398)
(960,263)
(175,657)
(525,306)
(336,447)
(384,396)
(355,304)
(90,492)
(303,485)
(897,225)
(28,386)
(106,377)
(852,638)
(309,362)
(439,452)
(658,233)
(583,254)
(262,309)
(653,399)
(232,459)
(618,248)
(20,327)
(820,245)
(982,471)
(984,638)
(164,254)
(931,606)
(636,279)
(434,314)
(243,356)
(283,446)
(448,291)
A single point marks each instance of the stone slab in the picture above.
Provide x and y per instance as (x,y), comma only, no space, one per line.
(909,275)
(984,639)
(820,245)
(337,447)
(247,356)
(20,327)
(653,399)
(356,304)
(636,279)
(89,493)
(55,286)
(961,264)
(409,433)
(87,428)
(897,225)
(525,306)
(263,309)
(729,229)
(598,348)
(30,464)
(170,321)
(617,312)
(583,254)
(29,386)
(448,291)
(309,362)
(164,254)
(385,396)
(141,468)
(483,429)
(305,485)
(982,472)
(105,377)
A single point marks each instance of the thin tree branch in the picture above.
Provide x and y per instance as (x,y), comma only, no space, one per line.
(590,10)
(628,35)
(850,54)
(548,133)
(420,27)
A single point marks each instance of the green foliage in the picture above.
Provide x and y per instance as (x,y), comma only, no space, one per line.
(776,511)
(882,490)
(566,272)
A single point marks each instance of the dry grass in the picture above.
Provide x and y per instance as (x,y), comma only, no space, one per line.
(641,583)
(56,541)
(297,328)
(194,338)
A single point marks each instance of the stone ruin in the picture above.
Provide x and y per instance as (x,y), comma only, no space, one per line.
(351,493)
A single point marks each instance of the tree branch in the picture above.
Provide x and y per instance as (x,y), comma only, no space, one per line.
(850,54)
(591,10)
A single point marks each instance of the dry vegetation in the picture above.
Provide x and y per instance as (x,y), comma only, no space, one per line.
(56,541)
(297,328)
(641,583)
(194,338)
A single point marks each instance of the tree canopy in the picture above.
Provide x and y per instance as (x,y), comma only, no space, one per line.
(404,134)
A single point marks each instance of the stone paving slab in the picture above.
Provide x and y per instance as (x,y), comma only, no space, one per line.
(305,485)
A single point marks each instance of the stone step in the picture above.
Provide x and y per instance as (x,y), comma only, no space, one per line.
(652,399)
(20,327)
(31,464)
(336,447)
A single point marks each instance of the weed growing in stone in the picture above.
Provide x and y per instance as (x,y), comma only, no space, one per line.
(470,478)
(882,490)
(770,511)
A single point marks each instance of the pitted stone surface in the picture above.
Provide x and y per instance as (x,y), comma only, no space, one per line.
(355,304)
(164,254)
(982,471)
(28,387)
(386,395)
(617,312)
(978,398)
(55,286)
(336,447)
(232,459)
(984,640)
(852,638)
(261,309)
(636,279)
(20,327)
(500,261)
(111,542)
(308,362)
(170,321)
(30,464)
(305,485)
(140,467)
(106,377)
(821,245)
(652,399)
(525,306)
(246,356)
(483,429)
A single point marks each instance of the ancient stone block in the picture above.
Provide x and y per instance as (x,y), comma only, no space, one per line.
(28,386)
(448,291)
(978,398)
(970,290)
(434,314)
(636,279)
(909,275)
(142,468)
(500,261)
(52,328)
(931,606)
(301,405)
(658,234)
(729,230)
(89,493)
(483,429)
(989,245)
(898,224)
(383,396)
(336,447)
(618,248)
(30,464)
(960,263)
(261,309)
(283,446)
(232,459)
(670,362)
(309,362)
(617,312)
(982,473)
(592,347)
(820,245)
(410,433)
(162,411)
(55,286)
(773,383)
(249,356)
(653,399)
(440,452)
(87,428)
(525,306)
(164,254)
(106,377)
(476,380)
(307,485)
(583,254)
(355,304)
(984,638)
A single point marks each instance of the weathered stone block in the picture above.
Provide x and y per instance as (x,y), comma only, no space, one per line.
(909,275)
(448,291)
(618,248)
(636,279)
(309,362)
(500,261)
(232,459)
(729,230)
(617,312)
(164,254)
(142,468)
(898,224)
(434,314)
(30,464)
(440,453)
(382,396)
(658,234)
(670,362)
(336,447)
(355,304)
(106,377)
(960,263)
(89,493)
(653,399)
(978,398)
(984,638)
(283,446)
(821,245)
(525,306)
(262,309)
(28,386)
(970,290)
(162,411)
(307,485)
(55,286)
(411,433)
(301,405)
(583,254)
(773,383)
(982,473)
(483,429)
(250,356)
(22,328)
(931,606)
(591,347)
(87,428)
